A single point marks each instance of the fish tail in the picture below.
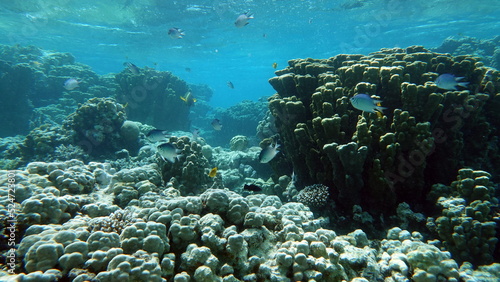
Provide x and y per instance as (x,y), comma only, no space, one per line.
(463,84)
(183,99)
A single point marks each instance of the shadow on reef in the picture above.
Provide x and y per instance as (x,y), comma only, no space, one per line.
(374,161)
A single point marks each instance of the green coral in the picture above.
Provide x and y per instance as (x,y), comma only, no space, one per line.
(423,138)
(189,173)
(466,225)
(154,97)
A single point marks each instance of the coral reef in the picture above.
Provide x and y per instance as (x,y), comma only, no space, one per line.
(486,49)
(466,225)
(153,97)
(217,235)
(98,126)
(190,172)
(240,119)
(378,161)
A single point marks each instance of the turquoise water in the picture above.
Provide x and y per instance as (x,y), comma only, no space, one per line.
(104,34)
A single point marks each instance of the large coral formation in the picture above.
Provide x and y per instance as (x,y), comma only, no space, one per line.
(97,125)
(153,97)
(425,136)
(190,171)
(487,49)
(216,235)
(466,224)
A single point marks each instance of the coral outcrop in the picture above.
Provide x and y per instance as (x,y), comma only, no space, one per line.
(98,126)
(217,235)
(374,160)
(153,97)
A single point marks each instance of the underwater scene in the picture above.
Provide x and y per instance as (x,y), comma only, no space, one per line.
(252,140)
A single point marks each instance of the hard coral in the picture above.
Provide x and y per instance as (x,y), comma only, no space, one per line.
(425,134)
(316,195)
(97,126)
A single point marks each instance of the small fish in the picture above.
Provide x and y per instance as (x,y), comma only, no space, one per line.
(366,103)
(242,19)
(132,68)
(213,172)
(36,64)
(448,81)
(189,99)
(188,69)
(71,83)
(175,33)
(268,153)
(252,187)
(168,152)
(275,65)
(196,134)
(216,124)
(230,85)
(157,135)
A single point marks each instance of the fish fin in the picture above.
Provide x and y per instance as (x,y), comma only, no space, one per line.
(380,109)
(463,84)
(459,78)
(183,99)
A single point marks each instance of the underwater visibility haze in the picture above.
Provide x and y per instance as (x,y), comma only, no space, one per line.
(155,140)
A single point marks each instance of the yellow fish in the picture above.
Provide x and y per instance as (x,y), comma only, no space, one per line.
(189,99)
(379,114)
(213,172)
(275,65)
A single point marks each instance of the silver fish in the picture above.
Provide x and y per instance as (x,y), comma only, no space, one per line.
(448,81)
(175,33)
(268,153)
(242,19)
(168,152)
(157,135)
(216,124)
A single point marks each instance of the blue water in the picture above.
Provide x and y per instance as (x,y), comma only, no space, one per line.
(104,34)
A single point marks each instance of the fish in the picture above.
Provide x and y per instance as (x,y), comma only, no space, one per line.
(196,134)
(71,83)
(188,69)
(176,33)
(252,187)
(132,68)
(213,172)
(242,19)
(366,103)
(189,99)
(275,65)
(268,153)
(157,135)
(216,124)
(168,152)
(230,84)
(448,81)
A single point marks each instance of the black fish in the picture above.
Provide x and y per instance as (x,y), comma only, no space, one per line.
(230,85)
(252,187)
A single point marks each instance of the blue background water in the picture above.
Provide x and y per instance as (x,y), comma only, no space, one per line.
(104,34)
